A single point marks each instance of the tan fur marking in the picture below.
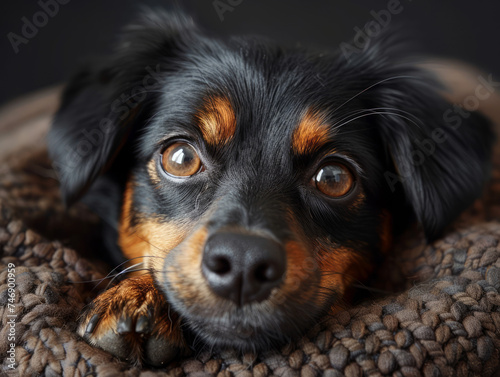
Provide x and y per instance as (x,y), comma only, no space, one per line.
(329,268)
(148,238)
(310,134)
(300,273)
(340,267)
(186,277)
(153,172)
(217,120)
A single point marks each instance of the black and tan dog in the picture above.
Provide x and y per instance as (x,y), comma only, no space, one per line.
(254,183)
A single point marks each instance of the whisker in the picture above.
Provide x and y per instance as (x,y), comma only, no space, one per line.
(356,283)
(373,85)
(149,243)
(109,274)
(374,110)
(371,289)
(378,113)
(128,269)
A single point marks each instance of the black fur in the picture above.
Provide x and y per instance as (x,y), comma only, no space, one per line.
(256,174)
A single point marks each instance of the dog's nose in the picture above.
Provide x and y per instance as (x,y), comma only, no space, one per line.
(243,268)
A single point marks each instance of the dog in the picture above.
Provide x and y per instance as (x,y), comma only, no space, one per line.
(252,184)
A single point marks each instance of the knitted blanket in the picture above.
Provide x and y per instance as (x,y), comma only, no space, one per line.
(433,310)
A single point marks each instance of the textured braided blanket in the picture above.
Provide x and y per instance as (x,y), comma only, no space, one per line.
(434,311)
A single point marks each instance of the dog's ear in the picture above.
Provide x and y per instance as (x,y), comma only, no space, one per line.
(107,102)
(438,153)
(441,157)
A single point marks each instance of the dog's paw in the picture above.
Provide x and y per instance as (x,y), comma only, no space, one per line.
(133,321)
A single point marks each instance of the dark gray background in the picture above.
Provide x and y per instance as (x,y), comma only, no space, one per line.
(465,30)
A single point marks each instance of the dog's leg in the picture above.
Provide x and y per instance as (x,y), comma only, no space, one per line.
(133,321)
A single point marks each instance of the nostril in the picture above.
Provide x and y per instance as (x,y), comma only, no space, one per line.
(219,265)
(266,272)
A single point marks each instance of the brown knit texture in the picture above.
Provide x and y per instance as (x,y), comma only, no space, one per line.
(446,323)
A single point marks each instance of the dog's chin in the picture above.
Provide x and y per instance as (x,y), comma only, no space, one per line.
(253,328)
(237,333)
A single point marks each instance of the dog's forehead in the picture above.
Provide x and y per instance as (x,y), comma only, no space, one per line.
(248,99)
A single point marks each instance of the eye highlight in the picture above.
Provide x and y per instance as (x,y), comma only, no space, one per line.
(334,180)
(181,160)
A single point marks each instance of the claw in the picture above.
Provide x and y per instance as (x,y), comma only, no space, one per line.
(143,325)
(92,324)
(124,325)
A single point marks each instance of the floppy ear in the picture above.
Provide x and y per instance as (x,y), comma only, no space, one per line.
(440,152)
(106,103)
(441,158)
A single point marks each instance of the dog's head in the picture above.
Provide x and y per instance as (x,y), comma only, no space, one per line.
(258,183)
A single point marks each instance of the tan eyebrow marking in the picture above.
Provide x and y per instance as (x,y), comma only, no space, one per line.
(217,120)
(311,133)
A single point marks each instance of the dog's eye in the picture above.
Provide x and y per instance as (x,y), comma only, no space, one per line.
(181,160)
(334,180)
